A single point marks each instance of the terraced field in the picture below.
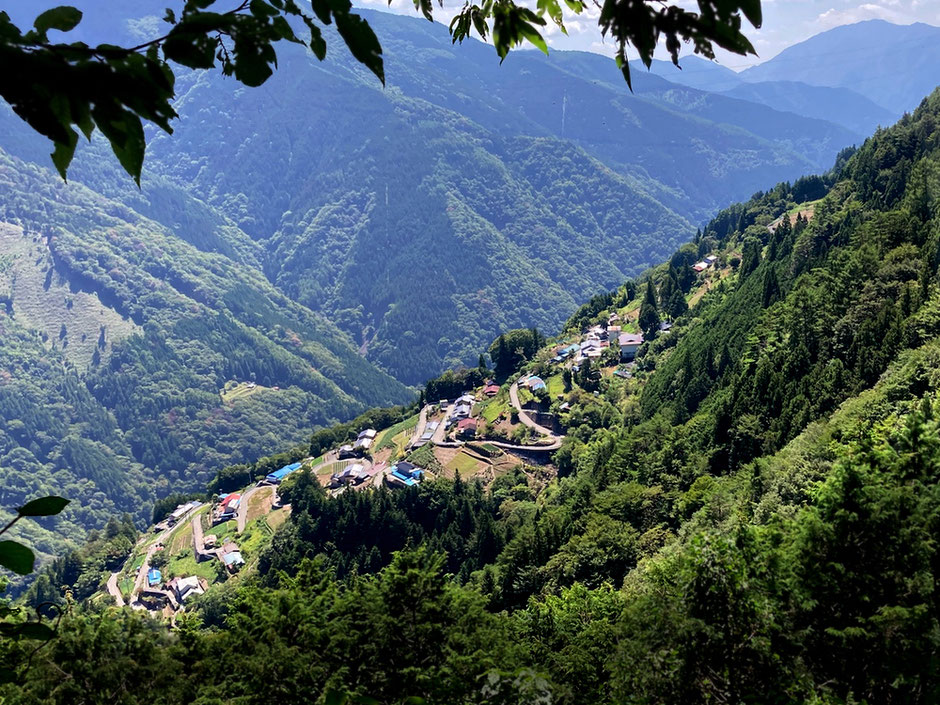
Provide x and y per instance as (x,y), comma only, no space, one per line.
(69,319)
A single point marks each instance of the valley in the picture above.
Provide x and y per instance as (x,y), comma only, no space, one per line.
(417,376)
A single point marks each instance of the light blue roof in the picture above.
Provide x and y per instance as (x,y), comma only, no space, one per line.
(154,576)
(233,558)
(278,475)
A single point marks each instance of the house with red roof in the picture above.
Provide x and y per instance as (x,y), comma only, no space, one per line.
(467,428)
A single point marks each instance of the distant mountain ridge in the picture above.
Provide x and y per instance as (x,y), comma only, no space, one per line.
(893,65)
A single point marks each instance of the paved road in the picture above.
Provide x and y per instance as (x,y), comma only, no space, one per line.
(419,429)
(438,437)
(553,446)
(524,418)
(115,590)
(145,566)
(241,517)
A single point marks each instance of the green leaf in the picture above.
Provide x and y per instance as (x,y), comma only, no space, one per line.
(261,9)
(16,557)
(62,156)
(187,45)
(126,135)
(63,18)
(45,506)
(36,630)
(334,697)
(752,10)
(531,34)
(362,42)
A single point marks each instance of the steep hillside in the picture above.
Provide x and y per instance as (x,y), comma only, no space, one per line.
(746,512)
(892,65)
(150,335)
(418,217)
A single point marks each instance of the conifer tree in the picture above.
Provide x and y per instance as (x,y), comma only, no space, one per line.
(649,315)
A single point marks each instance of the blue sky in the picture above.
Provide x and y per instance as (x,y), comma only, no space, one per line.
(786,22)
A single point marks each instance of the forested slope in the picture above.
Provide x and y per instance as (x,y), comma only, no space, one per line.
(121,346)
(347,195)
(750,517)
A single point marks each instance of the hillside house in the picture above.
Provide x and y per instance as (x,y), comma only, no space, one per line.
(491,389)
(404,474)
(534,383)
(590,349)
(629,344)
(346,451)
(228,507)
(362,445)
(154,577)
(179,512)
(186,588)
(368,433)
(467,428)
(276,477)
(351,474)
(231,557)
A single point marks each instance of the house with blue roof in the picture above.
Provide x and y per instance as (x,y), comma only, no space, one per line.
(405,474)
(277,476)
(154,577)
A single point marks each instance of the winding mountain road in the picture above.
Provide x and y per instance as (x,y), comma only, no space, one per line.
(115,591)
(524,418)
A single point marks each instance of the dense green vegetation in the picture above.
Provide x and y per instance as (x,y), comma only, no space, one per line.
(464,200)
(749,518)
(132,365)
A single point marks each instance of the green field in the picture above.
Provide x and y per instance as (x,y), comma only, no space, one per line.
(387,439)
(184,564)
(555,385)
(494,408)
(463,463)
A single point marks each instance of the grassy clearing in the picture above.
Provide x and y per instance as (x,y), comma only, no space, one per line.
(555,385)
(258,504)
(181,538)
(253,539)
(499,405)
(43,299)
(185,564)
(277,517)
(232,391)
(387,439)
(465,464)
(807,209)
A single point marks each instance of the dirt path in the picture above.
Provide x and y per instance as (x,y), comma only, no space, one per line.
(553,446)
(115,591)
